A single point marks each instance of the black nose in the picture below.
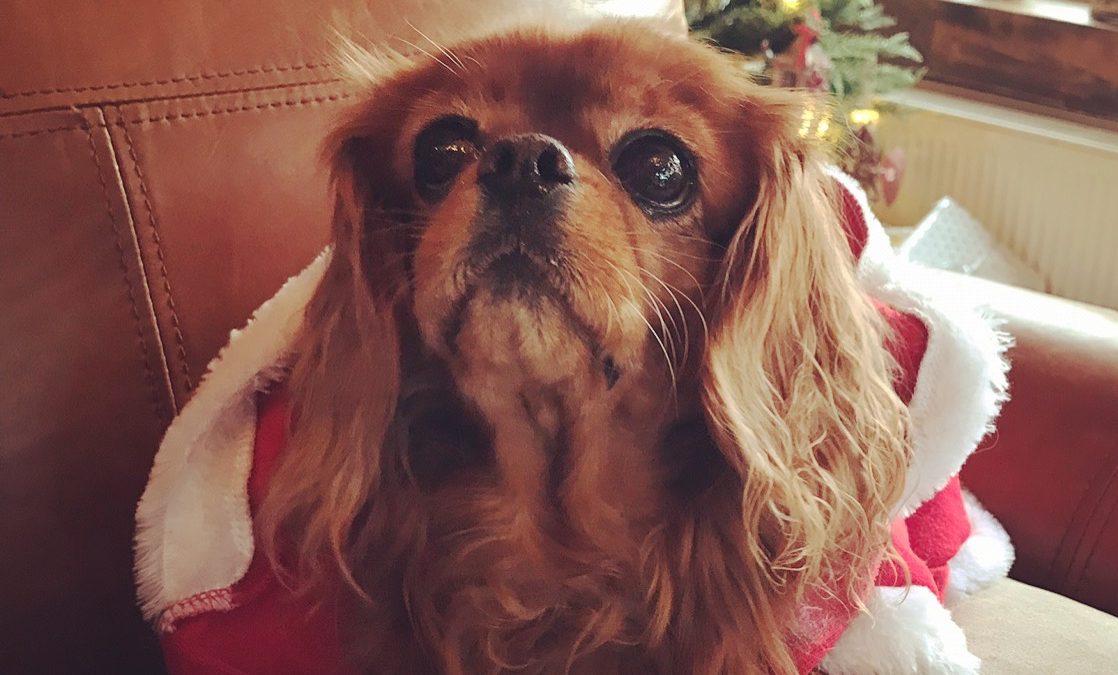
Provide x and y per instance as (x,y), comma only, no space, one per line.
(528,165)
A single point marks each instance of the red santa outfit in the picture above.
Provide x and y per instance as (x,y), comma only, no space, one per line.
(219,608)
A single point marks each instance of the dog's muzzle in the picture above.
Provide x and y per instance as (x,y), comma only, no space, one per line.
(517,249)
(523,182)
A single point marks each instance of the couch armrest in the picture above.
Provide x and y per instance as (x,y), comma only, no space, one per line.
(1015,628)
(1050,471)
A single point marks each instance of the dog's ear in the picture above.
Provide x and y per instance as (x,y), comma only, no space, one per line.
(344,383)
(796,380)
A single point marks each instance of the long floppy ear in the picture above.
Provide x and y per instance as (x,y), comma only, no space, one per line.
(343,386)
(797,388)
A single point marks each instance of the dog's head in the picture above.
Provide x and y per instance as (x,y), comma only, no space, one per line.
(544,206)
(604,234)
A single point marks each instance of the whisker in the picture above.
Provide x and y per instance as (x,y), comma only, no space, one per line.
(673,263)
(431,56)
(438,46)
(611,312)
(655,305)
(681,254)
(652,295)
(683,316)
(672,289)
(663,347)
(683,237)
(661,308)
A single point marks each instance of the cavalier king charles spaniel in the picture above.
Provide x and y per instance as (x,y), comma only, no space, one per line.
(589,384)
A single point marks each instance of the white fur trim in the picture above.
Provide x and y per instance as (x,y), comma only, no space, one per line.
(902,632)
(984,557)
(962,381)
(193,527)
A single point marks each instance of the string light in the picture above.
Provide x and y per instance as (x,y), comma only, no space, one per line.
(815,121)
(805,123)
(821,129)
(864,116)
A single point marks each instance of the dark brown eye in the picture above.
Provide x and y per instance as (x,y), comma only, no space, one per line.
(657,171)
(442,150)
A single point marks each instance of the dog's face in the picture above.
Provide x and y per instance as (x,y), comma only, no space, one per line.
(566,210)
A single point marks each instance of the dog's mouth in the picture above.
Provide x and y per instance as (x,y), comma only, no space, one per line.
(518,269)
(515,272)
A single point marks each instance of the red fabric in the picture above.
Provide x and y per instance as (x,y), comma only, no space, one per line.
(907,344)
(270,630)
(938,530)
(853,221)
(892,572)
(819,632)
(927,540)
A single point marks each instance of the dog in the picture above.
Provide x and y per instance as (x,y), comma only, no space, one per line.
(606,371)
(589,384)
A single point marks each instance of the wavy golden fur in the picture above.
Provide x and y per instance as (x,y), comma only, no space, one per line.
(649,467)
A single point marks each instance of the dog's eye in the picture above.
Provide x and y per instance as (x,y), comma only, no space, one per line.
(442,150)
(656,170)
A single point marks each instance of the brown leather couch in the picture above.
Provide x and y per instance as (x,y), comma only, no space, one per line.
(159,179)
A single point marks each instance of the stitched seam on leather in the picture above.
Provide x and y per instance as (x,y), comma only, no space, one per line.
(131,211)
(266,89)
(36,132)
(1082,572)
(1059,570)
(245,108)
(144,356)
(258,70)
(176,327)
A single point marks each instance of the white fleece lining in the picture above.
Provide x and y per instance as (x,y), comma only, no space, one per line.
(194,530)
(193,526)
(984,557)
(907,630)
(962,381)
(902,632)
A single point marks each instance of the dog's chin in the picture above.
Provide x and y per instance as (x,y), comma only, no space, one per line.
(519,318)
(514,322)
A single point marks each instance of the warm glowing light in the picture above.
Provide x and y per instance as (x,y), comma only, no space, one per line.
(805,123)
(815,121)
(791,5)
(864,116)
(821,130)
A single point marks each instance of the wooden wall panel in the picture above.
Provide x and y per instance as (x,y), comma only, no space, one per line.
(1017,51)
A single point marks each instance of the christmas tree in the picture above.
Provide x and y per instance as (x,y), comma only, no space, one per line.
(865,61)
(834,46)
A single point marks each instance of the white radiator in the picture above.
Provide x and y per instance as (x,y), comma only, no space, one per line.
(1047,189)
